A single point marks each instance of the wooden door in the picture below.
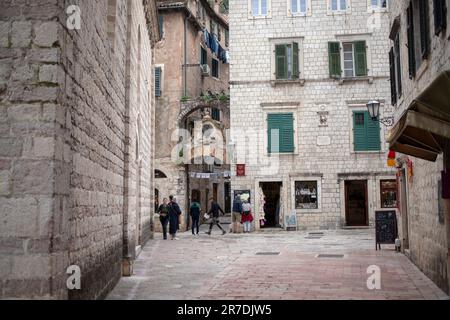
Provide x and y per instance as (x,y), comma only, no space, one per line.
(356,209)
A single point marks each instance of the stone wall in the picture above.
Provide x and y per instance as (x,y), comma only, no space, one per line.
(323,152)
(76,157)
(428,247)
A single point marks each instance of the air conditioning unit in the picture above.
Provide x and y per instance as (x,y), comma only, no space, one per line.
(206,71)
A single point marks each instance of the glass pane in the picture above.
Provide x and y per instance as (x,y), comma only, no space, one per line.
(343,5)
(334,4)
(294,6)
(289,61)
(359,119)
(389,194)
(263,7)
(306,195)
(303,6)
(255,7)
(374,3)
(384,3)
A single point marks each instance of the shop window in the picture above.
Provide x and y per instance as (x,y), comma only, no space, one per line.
(388,193)
(306,195)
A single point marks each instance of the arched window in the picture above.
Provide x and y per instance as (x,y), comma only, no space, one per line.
(160,175)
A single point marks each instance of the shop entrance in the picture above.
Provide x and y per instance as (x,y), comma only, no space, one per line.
(356,210)
(272,206)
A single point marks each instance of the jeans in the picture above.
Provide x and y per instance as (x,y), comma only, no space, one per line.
(247,226)
(195,223)
(164,221)
(215,221)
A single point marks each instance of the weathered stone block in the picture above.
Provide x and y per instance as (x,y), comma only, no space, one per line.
(33,177)
(5,29)
(46,34)
(19,217)
(21,34)
(44,147)
(24,73)
(10,147)
(24,112)
(48,73)
(44,55)
(5,183)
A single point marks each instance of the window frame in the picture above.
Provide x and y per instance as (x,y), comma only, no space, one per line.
(203,50)
(347,10)
(161,80)
(286,41)
(368,61)
(378,8)
(318,180)
(299,14)
(260,16)
(383,189)
(213,60)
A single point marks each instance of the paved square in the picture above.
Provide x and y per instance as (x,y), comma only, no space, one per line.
(273,265)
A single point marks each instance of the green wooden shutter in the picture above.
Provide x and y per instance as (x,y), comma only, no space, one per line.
(359,131)
(280,61)
(281,133)
(398,66)
(372,134)
(295,64)
(411,46)
(393,80)
(334,57)
(158,72)
(366,132)
(360,58)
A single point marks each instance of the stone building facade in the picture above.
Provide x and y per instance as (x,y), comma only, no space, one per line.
(76,143)
(304,71)
(421,73)
(189,97)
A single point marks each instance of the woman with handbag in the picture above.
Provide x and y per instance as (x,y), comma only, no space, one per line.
(163,212)
(247,217)
(174,218)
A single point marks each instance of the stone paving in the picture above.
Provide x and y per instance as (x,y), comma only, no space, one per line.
(247,266)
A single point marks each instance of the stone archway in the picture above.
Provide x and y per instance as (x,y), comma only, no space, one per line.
(191,106)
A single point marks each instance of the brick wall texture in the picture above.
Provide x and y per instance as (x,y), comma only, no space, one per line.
(76,109)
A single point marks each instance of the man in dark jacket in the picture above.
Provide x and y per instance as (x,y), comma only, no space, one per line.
(236,215)
(174,217)
(194,211)
(215,212)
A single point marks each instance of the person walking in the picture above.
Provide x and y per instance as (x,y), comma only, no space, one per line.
(237,215)
(174,218)
(163,212)
(247,217)
(215,212)
(194,212)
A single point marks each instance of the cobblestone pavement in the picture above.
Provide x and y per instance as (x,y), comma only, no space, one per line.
(246,266)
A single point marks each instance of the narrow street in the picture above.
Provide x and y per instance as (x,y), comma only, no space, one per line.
(237,267)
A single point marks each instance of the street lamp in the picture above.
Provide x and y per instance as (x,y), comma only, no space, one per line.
(374,112)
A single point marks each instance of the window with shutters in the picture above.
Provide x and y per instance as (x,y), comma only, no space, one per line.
(158,81)
(215,68)
(287,61)
(418,30)
(299,7)
(366,132)
(440,16)
(395,70)
(280,131)
(259,8)
(351,63)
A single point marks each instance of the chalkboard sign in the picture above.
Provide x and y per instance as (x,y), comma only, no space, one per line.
(385,228)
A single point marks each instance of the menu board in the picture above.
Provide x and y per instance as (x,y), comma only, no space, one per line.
(385,227)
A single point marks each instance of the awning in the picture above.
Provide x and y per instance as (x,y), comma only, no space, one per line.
(425,123)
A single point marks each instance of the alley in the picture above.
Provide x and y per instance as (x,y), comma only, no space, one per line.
(332,265)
